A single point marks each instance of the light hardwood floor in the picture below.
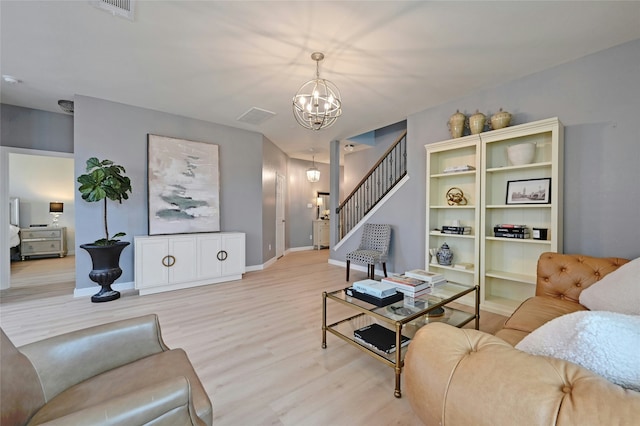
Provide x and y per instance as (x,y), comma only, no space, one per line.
(255,343)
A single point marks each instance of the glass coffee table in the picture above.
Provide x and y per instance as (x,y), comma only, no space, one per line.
(404,318)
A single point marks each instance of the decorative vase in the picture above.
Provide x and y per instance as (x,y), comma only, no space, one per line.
(500,119)
(456,124)
(477,122)
(521,154)
(445,255)
(106,269)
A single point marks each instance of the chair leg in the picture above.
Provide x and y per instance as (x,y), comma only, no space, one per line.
(348,267)
(372,272)
(384,268)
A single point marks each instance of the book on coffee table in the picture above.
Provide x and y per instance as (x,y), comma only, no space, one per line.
(379,338)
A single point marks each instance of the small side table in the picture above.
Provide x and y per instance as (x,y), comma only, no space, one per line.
(320,233)
(49,241)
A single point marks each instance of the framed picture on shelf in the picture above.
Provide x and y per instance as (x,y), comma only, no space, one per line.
(529,191)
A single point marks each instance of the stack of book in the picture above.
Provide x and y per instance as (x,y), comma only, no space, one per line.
(426,276)
(456,230)
(374,292)
(374,288)
(507,230)
(411,287)
(379,338)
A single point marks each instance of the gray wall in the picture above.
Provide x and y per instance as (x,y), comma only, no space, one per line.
(119,132)
(34,129)
(597,98)
(274,162)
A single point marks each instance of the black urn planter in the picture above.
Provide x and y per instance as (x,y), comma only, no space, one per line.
(106,269)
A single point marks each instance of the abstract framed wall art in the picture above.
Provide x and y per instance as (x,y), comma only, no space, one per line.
(183,181)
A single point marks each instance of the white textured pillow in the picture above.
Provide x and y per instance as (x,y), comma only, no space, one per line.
(618,291)
(606,343)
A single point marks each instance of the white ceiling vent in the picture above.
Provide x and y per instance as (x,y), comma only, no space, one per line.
(256,116)
(123,8)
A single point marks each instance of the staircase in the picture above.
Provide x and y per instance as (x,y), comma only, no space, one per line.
(383,176)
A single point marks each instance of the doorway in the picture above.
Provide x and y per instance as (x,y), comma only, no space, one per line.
(36,179)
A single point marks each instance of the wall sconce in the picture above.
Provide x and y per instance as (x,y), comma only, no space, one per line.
(56,209)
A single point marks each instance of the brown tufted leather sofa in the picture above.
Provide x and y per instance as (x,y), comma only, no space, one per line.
(466,377)
(120,373)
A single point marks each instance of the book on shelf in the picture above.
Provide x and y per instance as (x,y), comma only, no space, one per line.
(463,265)
(401,282)
(377,301)
(455,228)
(512,235)
(374,288)
(423,275)
(509,225)
(379,338)
(450,232)
(511,230)
(456,169)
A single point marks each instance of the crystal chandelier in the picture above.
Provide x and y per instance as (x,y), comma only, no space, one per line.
(317,103)
(313,174)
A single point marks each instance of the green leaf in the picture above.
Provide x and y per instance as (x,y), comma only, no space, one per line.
(119,234)
(92,163)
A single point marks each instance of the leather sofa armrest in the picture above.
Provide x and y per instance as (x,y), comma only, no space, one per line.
(65,360)
(466,377)
(168,403)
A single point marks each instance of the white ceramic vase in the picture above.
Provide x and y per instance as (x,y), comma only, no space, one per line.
(521,154)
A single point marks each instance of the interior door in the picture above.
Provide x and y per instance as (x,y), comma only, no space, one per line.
(280,219)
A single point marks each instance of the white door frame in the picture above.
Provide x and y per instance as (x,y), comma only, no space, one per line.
(5,264)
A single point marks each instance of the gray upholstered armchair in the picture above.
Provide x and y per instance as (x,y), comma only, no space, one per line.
(373,249)
(119,373)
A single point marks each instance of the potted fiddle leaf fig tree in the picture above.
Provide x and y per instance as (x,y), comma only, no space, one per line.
(104,181)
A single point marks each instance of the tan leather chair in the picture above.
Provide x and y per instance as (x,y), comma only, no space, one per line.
(120,373)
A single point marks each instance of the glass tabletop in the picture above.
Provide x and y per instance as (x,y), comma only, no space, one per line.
(409,307)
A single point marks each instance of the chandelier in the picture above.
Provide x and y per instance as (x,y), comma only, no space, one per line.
(317,103)
(313,174)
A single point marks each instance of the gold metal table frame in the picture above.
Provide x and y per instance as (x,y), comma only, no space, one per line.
(397,316)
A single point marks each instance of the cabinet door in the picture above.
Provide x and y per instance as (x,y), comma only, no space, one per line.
(208,248)
(233,253)
(150,270)
(183,259)
(324,233)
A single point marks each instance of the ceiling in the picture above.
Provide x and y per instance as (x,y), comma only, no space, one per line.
(214,60)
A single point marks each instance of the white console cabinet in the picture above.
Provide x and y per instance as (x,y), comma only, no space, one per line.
(172,262)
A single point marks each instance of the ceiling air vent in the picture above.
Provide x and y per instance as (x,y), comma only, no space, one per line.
(256,116)
(123,8)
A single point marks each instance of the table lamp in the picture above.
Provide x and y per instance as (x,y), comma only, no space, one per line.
(56,210)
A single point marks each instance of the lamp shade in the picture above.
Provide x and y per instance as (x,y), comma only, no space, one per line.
(56,207)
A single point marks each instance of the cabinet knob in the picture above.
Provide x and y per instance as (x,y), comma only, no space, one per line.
(222,255)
